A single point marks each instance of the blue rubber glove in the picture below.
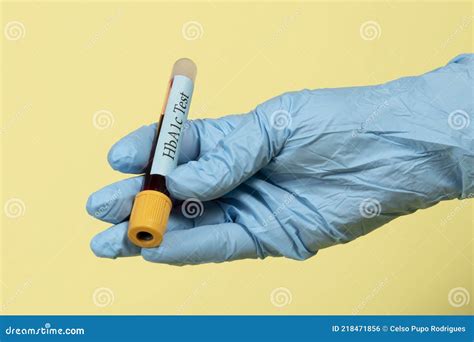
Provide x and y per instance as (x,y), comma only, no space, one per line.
(303,171)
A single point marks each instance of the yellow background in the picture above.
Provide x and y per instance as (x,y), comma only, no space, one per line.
(76,59)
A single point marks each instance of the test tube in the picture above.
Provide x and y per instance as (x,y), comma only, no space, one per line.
(152,205)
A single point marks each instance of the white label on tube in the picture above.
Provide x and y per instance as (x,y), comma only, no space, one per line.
(174,119)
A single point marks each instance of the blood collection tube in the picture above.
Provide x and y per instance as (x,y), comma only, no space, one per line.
(152,205)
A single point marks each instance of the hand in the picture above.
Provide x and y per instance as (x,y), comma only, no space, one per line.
(303,171)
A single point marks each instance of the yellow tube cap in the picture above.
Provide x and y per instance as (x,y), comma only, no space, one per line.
(149,217)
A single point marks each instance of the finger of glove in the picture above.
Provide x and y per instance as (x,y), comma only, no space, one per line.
(203,244)
(233,160)
(113,242)
(131,153)
(113,203)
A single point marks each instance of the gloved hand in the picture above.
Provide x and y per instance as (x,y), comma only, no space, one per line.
(303,171)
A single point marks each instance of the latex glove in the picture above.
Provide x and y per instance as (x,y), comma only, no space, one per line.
(303,171)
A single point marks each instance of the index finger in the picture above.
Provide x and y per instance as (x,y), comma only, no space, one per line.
(131,153)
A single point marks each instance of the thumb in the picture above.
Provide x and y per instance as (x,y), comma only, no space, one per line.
(234,159)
